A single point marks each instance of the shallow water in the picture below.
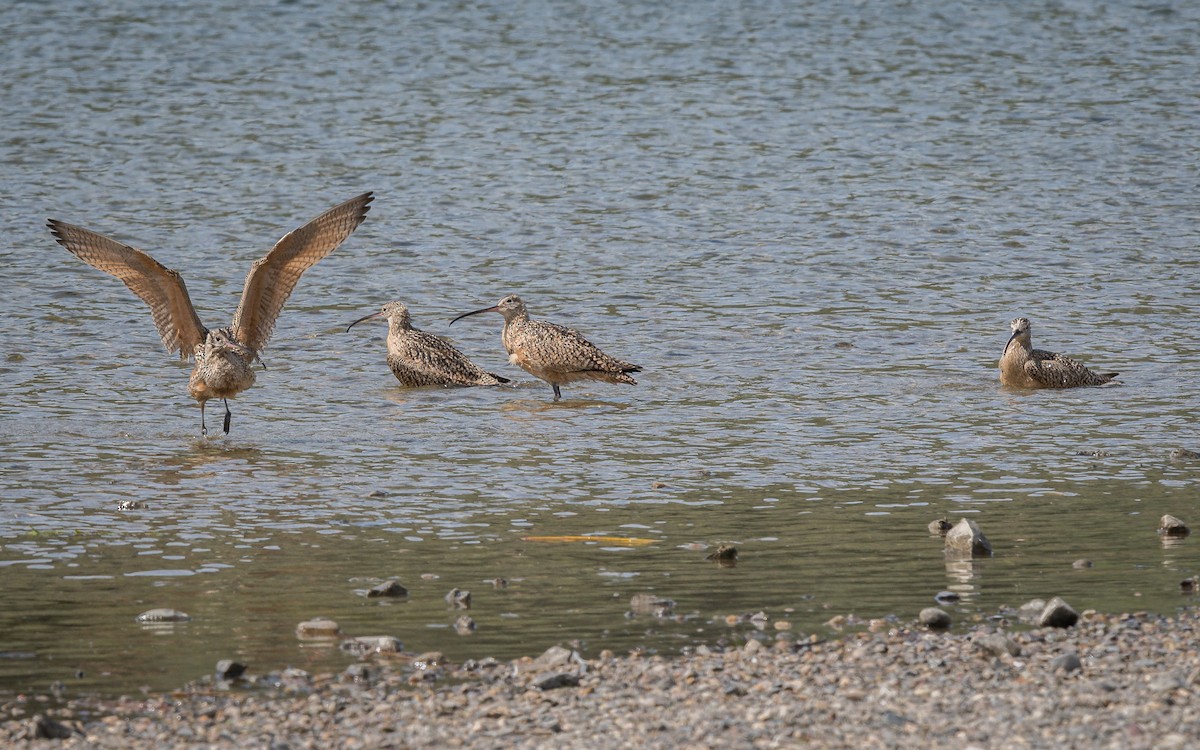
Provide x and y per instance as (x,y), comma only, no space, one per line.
(811,226)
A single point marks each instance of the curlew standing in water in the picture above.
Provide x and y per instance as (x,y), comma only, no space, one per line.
(1022,366)
(552,352)
(224,355)
(419,358)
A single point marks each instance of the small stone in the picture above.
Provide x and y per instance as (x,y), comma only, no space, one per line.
(783,625)
(998,644)
(753,646)
(376,494)
(1189,585)
(1082,563)
(132,505)
(1066,663)
(966,540)
(499,583)
(357,673)
(1169,525)
(163,615)
(555,656)
(658,485)
(459,598)
(44,728)
(651,604)
(380,644)
(464,625)
(1184,453)
(946,597)
(934,618)
(1057,614)
(319,627)
(556,680)
(228,669)
(940,527)
(725,552)
(1165,683)
(387,588)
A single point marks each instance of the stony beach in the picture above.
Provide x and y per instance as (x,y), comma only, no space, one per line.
(1109,681)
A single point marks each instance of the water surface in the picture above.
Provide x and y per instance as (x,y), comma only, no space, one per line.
(810,225)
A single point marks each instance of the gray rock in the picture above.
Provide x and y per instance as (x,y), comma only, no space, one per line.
(163,615)
(387,588)
(940,527)
(1182,453)
(554,657)
(318,627)
(1066,663)
(966,540)
(556,680)
(998,644)
(357,673)
(946,597)
(1169,525)
(380,644)
(934,618)
(459,598)
(1082,563)
(464,625)
(651,604)
(228,669)
(44,728)
(1057,614)
(1166,682)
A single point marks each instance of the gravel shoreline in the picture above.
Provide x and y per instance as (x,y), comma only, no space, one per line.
(1110,681)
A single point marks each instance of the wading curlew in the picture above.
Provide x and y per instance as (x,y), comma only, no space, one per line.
(552,352)
(223,356)
(1022,366)
(420,358)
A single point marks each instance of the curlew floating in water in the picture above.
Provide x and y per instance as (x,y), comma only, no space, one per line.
(552,352)
(420,358)
(1022,366)
(223,356)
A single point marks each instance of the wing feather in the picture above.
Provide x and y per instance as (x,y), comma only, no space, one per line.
(158,286)
(274,276)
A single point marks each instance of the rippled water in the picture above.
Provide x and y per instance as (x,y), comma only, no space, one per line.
(810,225)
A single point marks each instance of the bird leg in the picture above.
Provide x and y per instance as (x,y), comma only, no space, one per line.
(203,428)
(259,360)
(557,393)
(228,415)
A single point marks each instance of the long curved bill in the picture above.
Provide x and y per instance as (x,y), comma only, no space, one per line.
(365,317)
(1010,340)
(493,308)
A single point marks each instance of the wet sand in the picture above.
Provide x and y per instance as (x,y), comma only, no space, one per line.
(1110,681)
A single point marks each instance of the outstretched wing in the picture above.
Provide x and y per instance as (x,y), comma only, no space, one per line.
(274,276)
(158,286)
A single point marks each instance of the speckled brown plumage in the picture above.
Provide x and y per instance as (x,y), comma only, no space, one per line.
(551,352)
(1022,366)
(223,356)
(418,358)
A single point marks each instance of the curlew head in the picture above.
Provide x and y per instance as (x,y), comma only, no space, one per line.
(222,339)
(510,307)
(394,312)
(1021,332)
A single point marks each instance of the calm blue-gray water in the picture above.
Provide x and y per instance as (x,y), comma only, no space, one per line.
(810,223)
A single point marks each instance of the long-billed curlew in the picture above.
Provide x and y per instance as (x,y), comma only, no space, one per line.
(1022,366)
(552,352)
(420,358)
(223,356)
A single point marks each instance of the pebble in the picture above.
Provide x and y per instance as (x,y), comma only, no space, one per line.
(459,598)
(1169,525)
(934,618)
(228,669)
(163,615)
(319,627)
(966,540)
(387,588)
(898,688)
(1057,614)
